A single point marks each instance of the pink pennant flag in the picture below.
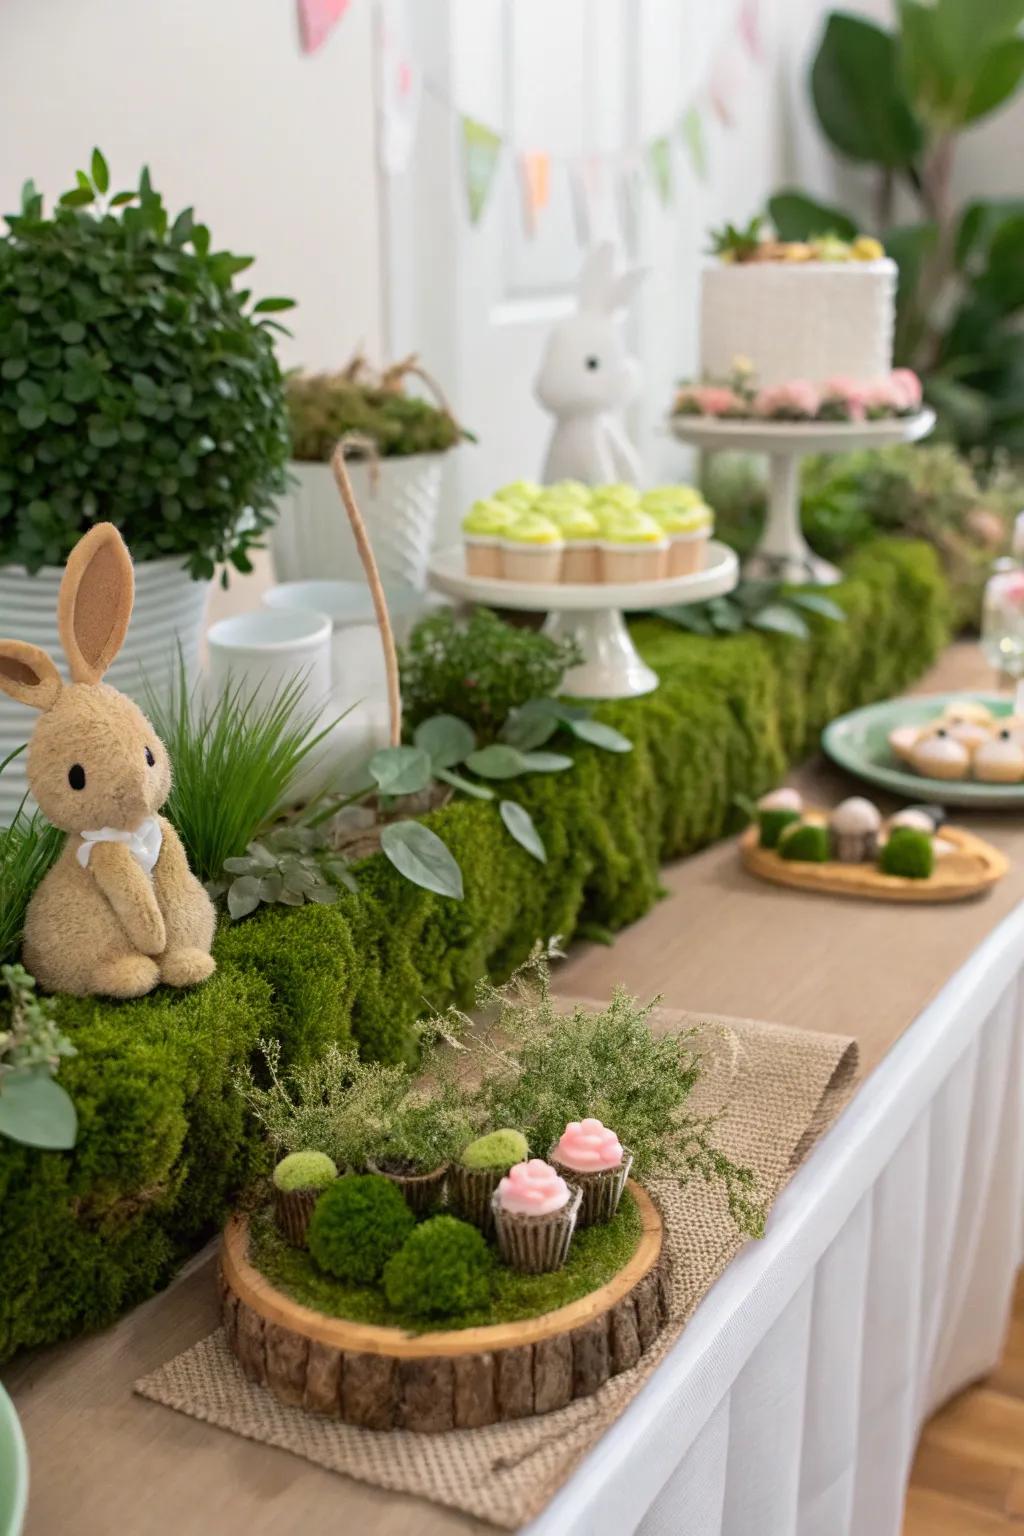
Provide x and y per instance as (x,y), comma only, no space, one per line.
(535,178)
(750,30)
(317,20)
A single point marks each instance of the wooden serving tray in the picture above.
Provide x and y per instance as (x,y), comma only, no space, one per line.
(969,870)
(385,1378)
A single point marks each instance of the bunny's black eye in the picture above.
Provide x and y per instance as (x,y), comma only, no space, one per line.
(150,759)
(593,362)
(76,776)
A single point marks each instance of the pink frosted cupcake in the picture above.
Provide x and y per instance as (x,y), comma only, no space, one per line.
(591,1156)
(534,1217)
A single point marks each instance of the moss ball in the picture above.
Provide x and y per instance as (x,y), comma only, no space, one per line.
(772,824)
(807,843)
(498,1150)
(305,1170)
(357,1224)
(444,1268)
(908,853)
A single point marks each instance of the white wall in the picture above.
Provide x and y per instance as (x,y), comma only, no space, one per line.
(273,147)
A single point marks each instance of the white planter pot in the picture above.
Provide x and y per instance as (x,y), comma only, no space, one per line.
(312,538)
(169,609)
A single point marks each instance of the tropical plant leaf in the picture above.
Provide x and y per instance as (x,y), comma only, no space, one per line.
(37,1111)
(859,96)
(778,619)
(400,770)
(521,826)
(421,856)
(798,217)
(445,739)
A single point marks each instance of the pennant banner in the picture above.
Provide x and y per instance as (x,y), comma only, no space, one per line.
(481,150)
(317,20)
(692,130)
(659,163)
(535,176)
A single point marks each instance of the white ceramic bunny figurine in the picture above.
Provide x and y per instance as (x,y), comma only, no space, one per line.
(587,377)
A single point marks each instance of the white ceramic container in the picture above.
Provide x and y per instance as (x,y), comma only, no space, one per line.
(262,652)
(312,538)
(169,609)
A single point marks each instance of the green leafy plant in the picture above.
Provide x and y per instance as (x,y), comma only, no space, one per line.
(357,1224)
(479,670)
(136,382)
(34,1109)
(764,605)
(930,492)
(443,1268)
(305,1170)
(542,1068)
(897,100)
(290,864)
(360,402)
(28,847)
(737,244)
(234,761)
(429,1126)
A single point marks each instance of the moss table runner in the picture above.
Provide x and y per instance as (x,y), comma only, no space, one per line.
(774,1090)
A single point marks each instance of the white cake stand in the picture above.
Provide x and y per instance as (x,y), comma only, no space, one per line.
(783,553)
(592,614)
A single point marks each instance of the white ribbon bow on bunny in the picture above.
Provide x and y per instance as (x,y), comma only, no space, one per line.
(143,844)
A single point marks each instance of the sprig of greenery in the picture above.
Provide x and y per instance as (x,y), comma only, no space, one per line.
(290,865)
(739,243)
(764,605)
(136,382)
(234,761)
(34,1109)
(362,403)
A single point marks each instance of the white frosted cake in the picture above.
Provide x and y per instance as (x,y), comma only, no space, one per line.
(808,320)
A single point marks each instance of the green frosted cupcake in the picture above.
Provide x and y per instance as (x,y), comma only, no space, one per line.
(687,526)
(483,528)
(532,549)
(519,493)
(633,547)
(581,530)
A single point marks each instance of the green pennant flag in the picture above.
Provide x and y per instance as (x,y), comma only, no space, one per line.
(481,147)
(692,130)
(659,159)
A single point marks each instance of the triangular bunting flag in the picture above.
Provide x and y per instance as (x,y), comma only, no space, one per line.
(535,174)
(659,162)
(750,29)
(692,130)
(481,149)
(317,19)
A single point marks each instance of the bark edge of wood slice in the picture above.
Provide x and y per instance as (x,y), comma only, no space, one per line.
(384,1378)
(971,869)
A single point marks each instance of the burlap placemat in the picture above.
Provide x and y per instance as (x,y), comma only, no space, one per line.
(774,1091)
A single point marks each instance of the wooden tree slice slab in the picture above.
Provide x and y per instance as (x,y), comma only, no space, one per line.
(968,869)
(384,1378)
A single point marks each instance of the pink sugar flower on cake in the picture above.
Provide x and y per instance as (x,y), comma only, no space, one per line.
(882,399)
(906,387)
(588,1146)
(533,1189)
(708,400)
(842,399)
(797,400)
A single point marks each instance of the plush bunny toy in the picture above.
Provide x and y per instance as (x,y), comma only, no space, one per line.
(120,910)
(587,377)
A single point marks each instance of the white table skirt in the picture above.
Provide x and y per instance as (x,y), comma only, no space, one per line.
(792,1402)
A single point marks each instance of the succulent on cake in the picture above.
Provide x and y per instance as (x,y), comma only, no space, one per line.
(752,243)
(737,244)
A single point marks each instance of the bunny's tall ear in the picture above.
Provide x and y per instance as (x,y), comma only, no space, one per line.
(95,602)
(28,675)
(596,277)
(624,286)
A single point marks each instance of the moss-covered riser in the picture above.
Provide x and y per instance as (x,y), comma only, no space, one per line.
(163,1139)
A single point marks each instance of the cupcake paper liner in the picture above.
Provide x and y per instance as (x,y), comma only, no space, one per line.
(601,1190)
(535,1245)
(292,1211)
(470,1192)
(422,1191)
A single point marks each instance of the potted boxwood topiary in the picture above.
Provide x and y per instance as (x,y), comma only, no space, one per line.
(397,443)
(137,385)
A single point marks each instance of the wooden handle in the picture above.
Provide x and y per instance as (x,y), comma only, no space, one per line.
(380,606)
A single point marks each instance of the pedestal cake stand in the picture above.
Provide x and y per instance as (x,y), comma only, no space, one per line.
(783,553)
(592,614)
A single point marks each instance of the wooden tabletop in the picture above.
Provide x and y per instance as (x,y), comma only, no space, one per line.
(104,1460)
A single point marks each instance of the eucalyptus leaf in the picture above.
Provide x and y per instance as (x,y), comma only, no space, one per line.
(497,761)
(598,734)
(445,739)
(37,1111)
(420,855)
(530,726)
(270,887)
(464,786)
(521,826)
(778,619)
(243,896)
(400,770)
(546,762)
(817,602)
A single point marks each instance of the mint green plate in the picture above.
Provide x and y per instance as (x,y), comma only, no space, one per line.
(13,1469)
(859,742)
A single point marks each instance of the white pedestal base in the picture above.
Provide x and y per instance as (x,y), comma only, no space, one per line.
(611,668)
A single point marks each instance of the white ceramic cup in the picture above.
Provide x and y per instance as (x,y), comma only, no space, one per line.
(357,653)
(263,651)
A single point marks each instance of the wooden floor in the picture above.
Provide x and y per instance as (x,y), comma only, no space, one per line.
(968,1478)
